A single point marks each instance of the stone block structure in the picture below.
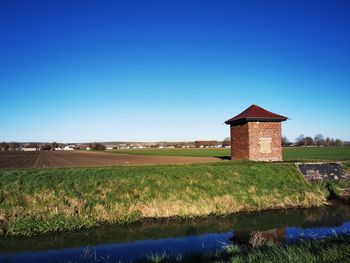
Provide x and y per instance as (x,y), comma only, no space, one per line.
(256,135)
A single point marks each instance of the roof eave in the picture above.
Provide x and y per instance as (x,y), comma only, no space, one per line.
(262,119)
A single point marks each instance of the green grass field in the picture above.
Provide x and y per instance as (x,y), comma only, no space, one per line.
(178,152)
(317,153)
(42,200)
(289,154)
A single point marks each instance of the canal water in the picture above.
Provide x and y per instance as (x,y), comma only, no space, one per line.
(133,241)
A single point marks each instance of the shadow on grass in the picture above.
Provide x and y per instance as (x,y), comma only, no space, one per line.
(223,157)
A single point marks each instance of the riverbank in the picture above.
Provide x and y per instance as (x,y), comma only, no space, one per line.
(328,250)
(34,201)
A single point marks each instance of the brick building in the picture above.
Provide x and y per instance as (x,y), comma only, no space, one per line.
(256,135)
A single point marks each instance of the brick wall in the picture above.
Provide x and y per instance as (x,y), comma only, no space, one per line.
(257,141)
(265,142)
(240,142)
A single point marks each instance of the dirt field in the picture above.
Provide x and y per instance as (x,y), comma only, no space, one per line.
(43,159)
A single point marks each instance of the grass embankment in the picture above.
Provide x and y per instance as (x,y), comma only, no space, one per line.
(329,250)
(340,189)
(43,200)
(289,154)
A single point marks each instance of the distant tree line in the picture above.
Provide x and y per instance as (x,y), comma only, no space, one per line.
(97,146)
(15,146)
(9,146)
(226,142)
(50,146)
(205,143)
(317,140)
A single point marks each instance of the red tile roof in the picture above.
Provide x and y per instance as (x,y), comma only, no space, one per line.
(255,113)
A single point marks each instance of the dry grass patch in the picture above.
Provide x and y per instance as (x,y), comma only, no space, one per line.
(44,200)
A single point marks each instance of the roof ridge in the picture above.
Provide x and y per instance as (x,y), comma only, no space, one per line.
(255,112)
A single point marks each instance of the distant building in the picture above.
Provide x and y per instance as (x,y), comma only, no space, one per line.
(110,147)
(256,135)
(123,146)
(69,148)
(29,149)
(81,147)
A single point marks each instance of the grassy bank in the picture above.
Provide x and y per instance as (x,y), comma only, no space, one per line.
(42,200)
(342,190)
(289,154)
(329,250)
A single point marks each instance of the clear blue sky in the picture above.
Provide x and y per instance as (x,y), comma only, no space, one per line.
(171,70)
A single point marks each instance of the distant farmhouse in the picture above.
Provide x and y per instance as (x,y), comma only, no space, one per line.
(30,148)
(82,147)
(69,147)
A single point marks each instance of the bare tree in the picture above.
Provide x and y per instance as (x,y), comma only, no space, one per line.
(4,146)
(46,147)
(300,140)
(97,146)
(14,146)
(327,142)
(308,141)
(54,145)
(226,142)
(319,139)
(338,142)
(285,141)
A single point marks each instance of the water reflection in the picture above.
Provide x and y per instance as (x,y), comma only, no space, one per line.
(289,234)
(294,234)
(130,242)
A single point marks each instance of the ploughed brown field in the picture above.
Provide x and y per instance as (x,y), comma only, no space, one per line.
(41,159)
